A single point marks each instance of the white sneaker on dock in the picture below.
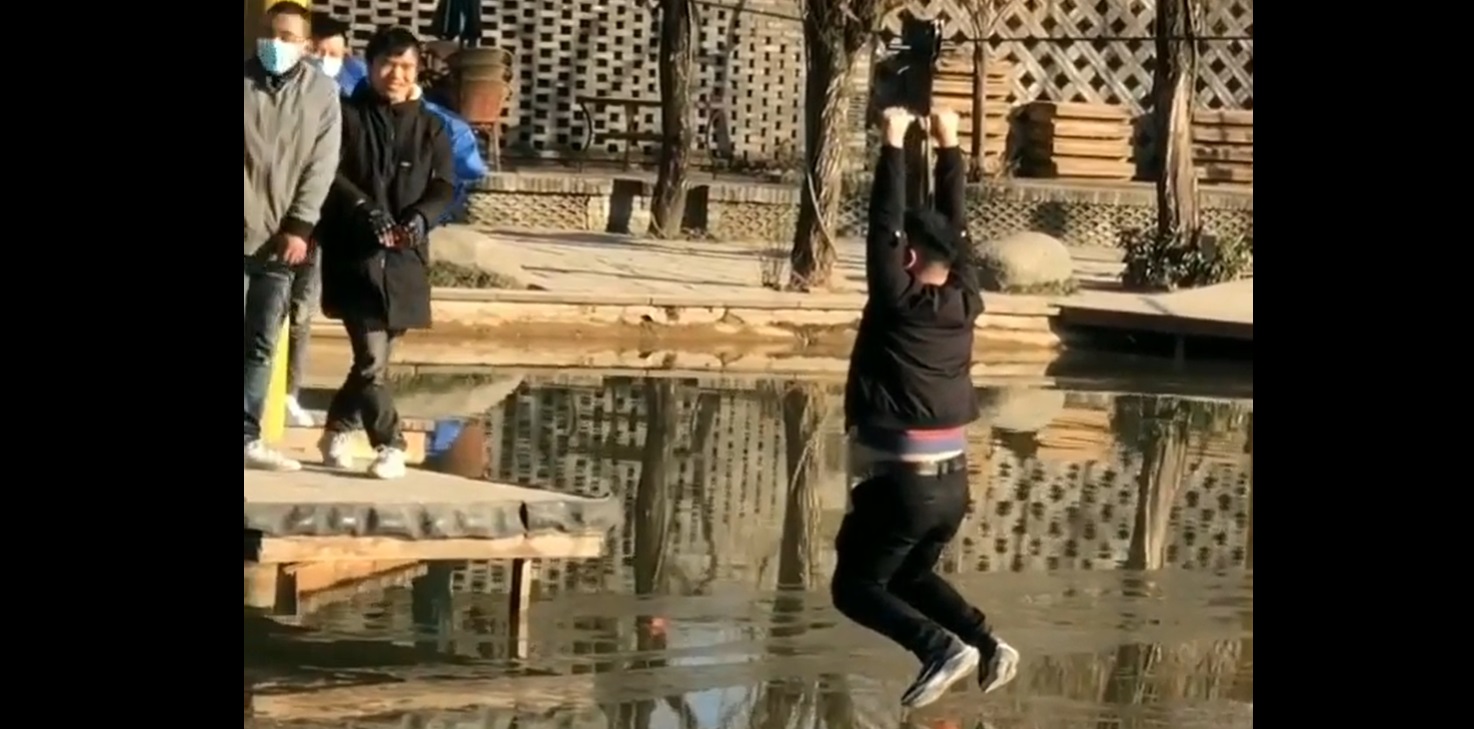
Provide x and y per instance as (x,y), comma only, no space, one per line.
(296,416)
(388,464)
(334,449)
(261,458)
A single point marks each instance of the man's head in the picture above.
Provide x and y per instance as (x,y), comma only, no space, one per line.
(394,63)
(284,35)
(932,245)
(329,43)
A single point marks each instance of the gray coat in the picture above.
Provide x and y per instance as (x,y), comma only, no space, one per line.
(293,131)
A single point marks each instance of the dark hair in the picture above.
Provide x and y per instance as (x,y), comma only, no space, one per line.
(287,7)
(325,26)
(933,236)
(392,41)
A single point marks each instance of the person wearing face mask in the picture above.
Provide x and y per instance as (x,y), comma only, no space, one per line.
(292,134)
(328,52)
(395,180)
(331,54)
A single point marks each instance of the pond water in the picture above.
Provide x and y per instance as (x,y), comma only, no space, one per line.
(1110,540)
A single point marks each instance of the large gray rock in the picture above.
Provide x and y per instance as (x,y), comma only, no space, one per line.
(467,247)
(1021,409)
(1026,262)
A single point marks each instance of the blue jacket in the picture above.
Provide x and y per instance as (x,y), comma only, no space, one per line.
(463,146)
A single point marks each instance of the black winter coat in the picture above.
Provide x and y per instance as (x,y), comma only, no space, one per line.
(911,366)
(396,157)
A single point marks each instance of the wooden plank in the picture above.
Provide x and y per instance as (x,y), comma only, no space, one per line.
(1231,135)
(1113,149)
(959,86)
(281,550)
(1078,129)
(1225,117)
(1226,173)
(994,104)
(1048,110)
(319,703)
(319,576)
(1223,153)
(962,64)
(263,585)
(1082,167)
(992,126)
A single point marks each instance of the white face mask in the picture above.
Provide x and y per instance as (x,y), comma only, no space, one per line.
(330,65)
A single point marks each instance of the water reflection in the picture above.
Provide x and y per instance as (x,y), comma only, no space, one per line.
(1113,545)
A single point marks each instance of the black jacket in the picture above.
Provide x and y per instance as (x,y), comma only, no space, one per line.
(398,159)
(911,366)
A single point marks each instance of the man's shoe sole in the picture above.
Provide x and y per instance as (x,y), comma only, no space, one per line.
(1006,669)
(958,668)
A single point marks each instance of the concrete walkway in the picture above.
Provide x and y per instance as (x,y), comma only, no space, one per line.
(591,263)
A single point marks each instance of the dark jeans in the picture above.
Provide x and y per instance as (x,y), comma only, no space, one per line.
(268,286)
(306,283)
(364,399)
(888,545)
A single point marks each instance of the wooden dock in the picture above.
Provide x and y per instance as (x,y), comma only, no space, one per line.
(296,522)
(1225,311)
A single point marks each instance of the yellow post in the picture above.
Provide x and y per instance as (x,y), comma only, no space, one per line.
(274,413)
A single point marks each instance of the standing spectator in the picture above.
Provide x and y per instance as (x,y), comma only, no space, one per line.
(328,51)
(395,180)
(292,134)
(331,53)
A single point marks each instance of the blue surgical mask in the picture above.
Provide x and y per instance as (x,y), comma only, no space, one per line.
(277,56)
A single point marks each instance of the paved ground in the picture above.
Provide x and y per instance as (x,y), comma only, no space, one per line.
(598,262)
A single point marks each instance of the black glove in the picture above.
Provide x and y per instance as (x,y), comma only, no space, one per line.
(412,228)
(376,224)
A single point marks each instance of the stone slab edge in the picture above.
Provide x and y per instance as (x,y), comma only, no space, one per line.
(777,301)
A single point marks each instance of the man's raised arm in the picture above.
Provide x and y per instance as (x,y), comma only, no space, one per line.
(885,262)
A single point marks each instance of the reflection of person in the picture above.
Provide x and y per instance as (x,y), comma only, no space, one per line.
(292,134)
(908,398)
(394,181)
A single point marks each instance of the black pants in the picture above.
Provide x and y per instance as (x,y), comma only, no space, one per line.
(888,546)
(365,399)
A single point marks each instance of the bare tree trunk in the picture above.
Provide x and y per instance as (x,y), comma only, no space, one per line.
(982,25)
(668,207)
(827,67)
(798,559)
(1173,94)
(652,513)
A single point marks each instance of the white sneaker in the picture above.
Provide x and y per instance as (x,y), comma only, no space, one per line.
(939,673)
(334,449)
(389,463)
(296,416)
(1000,669)
(261,458)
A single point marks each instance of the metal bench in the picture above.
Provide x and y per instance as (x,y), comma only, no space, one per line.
(631,136)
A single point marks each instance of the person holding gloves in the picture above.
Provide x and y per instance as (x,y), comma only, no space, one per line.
(395,179)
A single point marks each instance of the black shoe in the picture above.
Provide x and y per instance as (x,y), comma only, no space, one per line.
(939,673)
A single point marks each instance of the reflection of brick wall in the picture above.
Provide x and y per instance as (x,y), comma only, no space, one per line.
(748,69)
(1056,513)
